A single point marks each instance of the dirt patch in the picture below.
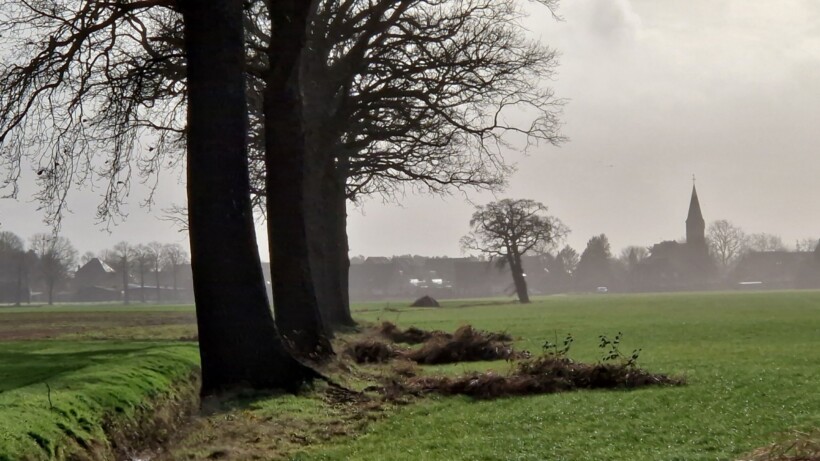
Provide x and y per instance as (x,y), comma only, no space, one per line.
(466,345)
(542,375)
(798,446)
(42,325)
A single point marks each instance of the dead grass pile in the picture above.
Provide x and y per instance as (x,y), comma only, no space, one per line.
(799,447)
(370,351)
(542,375)
(412,335)
(466,345)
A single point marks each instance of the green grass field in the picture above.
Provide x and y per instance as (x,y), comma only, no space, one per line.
(59,395)
(752,361)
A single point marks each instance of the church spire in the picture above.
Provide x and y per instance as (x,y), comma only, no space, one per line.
(695,225)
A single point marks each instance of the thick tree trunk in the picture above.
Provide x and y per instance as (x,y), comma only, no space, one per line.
(518,278)
(338,311)
(238,341)
(295,301)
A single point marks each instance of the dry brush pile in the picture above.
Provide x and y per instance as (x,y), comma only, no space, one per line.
(551,372)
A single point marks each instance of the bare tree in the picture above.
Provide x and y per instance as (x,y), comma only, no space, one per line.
(82,83)
(238,340)
(122,257)
(142,263)
(726,241)
(174,256)
(412,93)
(157,255)
(56,256)
(631,256)
(765,242)
(509,229)
(806,244)
(15,262)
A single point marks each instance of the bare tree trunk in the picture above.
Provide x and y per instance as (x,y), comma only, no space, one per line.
(18,291)
(295,300)
(158,289)
(338,311)
(126,298)
(142,282)
(238,341)
(50,287)
(518,278)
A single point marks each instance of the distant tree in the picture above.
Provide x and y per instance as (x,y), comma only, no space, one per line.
(765,242)
(121,257)
(594,266)
(806,244)
(142,263)
(509,229)
(631,256)
(174,256)
(561,267)
(15,261)
(726,241)
(55,258)
(156,251)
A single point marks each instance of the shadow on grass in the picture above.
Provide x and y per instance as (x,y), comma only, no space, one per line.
(22,368)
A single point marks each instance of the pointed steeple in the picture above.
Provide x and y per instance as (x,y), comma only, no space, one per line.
(695,225)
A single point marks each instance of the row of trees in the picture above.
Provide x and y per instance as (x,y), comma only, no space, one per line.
(51,260)
(356,97)
(507,230)
(728,243)
(48,261)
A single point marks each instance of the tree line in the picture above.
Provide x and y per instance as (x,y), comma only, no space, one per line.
(296,107)
(50,261)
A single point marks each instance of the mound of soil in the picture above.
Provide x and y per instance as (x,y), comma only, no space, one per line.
(465,345)
(370,351)
(542,375)
(425,301)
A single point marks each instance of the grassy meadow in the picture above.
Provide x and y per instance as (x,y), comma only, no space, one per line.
(752,362)
(61,391)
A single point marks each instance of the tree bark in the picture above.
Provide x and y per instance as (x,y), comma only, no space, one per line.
(238,341)
(518,278)
(338,311)
(295,300)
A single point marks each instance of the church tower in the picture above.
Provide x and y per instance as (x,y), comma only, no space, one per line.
(695,225)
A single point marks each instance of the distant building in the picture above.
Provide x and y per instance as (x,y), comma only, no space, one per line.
(675,266)
(96,281)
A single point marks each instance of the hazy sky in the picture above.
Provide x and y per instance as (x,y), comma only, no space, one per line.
(658,90)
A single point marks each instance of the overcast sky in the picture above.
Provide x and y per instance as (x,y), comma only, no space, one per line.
(658,91)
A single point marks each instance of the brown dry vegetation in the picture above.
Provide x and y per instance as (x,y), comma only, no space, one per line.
(466,345)
(42,325)
(799,446)
(542,375)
